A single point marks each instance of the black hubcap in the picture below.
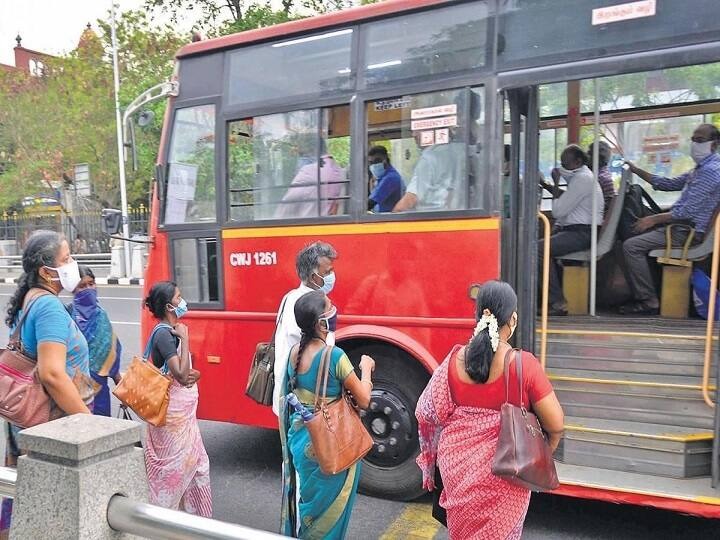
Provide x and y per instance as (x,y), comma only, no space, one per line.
(391,423)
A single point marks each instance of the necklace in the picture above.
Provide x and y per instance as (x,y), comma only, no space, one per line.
(321,339)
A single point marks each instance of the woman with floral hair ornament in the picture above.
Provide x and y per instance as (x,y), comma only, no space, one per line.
(459,422)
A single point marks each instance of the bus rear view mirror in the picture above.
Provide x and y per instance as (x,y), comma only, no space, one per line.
(111,221)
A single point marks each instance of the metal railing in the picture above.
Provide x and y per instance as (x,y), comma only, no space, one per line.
(155,522)
(711,316)
(545,288)
(95,260)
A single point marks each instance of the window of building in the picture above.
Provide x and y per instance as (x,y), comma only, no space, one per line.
(434,142)
(191,167)
(310,65)
(289,165)
(440,42)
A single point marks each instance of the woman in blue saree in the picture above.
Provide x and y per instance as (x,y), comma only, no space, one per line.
(317,505)
(104,346)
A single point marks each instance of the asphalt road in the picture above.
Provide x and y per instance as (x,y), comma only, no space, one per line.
(246,478)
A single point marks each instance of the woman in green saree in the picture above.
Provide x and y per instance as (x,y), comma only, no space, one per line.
(317,505)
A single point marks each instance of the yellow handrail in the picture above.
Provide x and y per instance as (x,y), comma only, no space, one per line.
(545,287)
(711,316)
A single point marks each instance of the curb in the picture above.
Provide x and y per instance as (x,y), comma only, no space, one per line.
(98,281)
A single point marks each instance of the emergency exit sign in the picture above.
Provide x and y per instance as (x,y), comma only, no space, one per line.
(623,12)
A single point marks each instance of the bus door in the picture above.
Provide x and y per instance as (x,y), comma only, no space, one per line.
(519,230)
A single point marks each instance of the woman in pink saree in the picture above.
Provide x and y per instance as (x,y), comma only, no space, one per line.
(177,464)
(459,421)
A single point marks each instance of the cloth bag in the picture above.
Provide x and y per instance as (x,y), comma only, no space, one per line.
(144,388)
(23,399)
(523,456)
(261,380)
(338,436)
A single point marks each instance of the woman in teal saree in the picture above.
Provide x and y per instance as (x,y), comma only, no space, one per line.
(317,505)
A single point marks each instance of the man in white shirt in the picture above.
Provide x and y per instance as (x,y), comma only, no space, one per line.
(573,213)
(314,265)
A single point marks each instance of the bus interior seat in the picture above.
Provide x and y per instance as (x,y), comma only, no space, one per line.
(608,233)
(695,253)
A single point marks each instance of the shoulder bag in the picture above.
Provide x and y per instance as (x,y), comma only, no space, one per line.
(144,388)
(523,456)
(23,399)
(338,436)
(261,380)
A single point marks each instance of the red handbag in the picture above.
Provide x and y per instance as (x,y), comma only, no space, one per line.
(523,456)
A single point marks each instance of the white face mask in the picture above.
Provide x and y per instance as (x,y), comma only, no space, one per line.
(69,275)
(700,150)
(566,173)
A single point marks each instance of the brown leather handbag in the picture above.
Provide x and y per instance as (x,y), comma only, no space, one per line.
(261,380)
(144,388)
(523,456)
(339,438)
(23,399)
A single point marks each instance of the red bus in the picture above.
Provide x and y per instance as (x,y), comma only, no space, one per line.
(443,85)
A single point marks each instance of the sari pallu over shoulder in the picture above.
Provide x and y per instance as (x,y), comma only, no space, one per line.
(461,441)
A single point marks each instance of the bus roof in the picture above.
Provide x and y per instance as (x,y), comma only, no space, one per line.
(337,18)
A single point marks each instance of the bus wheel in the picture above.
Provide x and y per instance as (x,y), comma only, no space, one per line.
(389,469)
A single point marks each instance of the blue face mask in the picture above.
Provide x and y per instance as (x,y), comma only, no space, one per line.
(377,170)
(181,309)
(328,282)
(331,320)
(85,304)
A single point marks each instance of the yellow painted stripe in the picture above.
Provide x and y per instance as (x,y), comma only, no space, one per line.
(627,383)
(580,332)
(450,225)
(415,522)
(700,499)
(660,436)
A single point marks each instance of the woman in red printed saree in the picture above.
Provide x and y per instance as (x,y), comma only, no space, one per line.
(459,422)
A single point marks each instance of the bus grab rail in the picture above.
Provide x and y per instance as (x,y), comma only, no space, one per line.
(711,316)
(545,287)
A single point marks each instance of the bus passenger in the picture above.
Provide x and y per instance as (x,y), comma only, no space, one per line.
(604,177)
(314,267)
(104,346)
(438,179)
(698,202)
(177,464)
(459,421)
(389,186)
(315,504)
(301,198)
(572,210)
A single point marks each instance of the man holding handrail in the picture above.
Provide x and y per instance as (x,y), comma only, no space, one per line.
(699,199)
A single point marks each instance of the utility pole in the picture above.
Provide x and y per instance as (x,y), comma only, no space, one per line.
(120,142)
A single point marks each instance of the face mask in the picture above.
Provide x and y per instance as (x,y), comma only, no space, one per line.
(328,282)
(68,275)
(181,309)
(700,150)
(377,170)
(566,173)
(84,307)
(330,320)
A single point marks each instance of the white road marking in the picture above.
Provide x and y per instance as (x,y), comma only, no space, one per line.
(128,323)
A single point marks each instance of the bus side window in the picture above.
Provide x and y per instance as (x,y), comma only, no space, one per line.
(433,142)
(289,165)
(195,263)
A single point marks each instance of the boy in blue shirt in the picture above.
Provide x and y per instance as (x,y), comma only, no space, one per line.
(389,186)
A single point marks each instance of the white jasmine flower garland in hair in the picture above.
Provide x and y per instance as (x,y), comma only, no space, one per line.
(489,321)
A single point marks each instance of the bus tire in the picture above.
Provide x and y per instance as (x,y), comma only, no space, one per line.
(389,470)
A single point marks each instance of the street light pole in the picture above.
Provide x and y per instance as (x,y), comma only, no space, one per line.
(120,142)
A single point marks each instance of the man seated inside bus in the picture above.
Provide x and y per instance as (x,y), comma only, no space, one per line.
(698,202)
(301,198)
(389,186)
(604,177)
(572,211)
(437,182)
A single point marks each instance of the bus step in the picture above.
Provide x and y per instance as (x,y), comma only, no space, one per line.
(637,447)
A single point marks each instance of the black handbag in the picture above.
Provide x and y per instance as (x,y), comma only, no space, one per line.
(261,380)
(637,204)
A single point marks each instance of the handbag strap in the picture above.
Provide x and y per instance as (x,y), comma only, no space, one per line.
(323,374)
(513,354)
(148,347)
(14,341)
(279,319)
